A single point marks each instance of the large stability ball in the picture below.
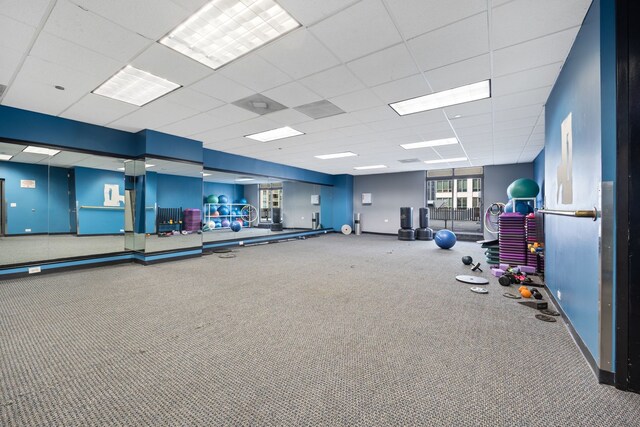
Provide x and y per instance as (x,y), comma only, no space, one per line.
(445,239)
(225,223)
(523,188)
(223,210)
(223,199)
(236,226)
(243,201)
(522,207)
(212,199)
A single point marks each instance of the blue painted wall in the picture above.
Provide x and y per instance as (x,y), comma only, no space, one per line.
(89,187)
(36,209)
(572,261)
(538,176)
(326,206)
(151,198)
(176,147)
(342,202)
(179,191)
(232,191)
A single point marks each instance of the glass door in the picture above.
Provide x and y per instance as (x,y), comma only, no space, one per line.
(270,199)
(455,204)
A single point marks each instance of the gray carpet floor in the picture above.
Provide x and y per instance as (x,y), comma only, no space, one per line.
(329,331)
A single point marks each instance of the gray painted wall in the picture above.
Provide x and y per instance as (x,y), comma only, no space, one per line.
(497,179)
(296,204)
(389,192)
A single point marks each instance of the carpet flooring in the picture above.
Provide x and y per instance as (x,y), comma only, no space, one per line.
(328,331)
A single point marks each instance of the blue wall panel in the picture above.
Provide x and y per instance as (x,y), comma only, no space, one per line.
(572,262)
(538,176)
(176,147)
(151,199)
(179,192)
(342,202)
(59,201)
(232,191)
(90,192)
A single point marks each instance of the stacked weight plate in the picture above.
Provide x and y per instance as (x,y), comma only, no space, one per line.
(513,242)
(532,257)
(492,252)
(191,220)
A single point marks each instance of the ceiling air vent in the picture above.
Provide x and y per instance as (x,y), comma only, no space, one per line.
(319,109)
(259,104)
(409,161)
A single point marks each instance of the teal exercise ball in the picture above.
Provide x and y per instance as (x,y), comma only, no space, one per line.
(522,207)
(243,201)
(212,199)
(523,188)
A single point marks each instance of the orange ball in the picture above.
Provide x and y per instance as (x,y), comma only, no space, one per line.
(526,293)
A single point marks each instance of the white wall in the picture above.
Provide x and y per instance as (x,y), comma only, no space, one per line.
(296,204)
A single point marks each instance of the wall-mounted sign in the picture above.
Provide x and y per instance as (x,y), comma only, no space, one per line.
(564,192)
(315,199)
(112,195)
(366,198)
(27,183)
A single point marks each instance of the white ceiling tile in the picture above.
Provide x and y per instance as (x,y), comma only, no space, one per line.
(153,116)
(518,113)
(292,95)
(8,148)
(521,99)
(460,73)
(11,58)
(163,62)
(287,117)
(416,17)
(535,53)
(456,42)
(76,25)
(519,21)
(524,80)
(192,99)
(332,122)
(359,30)
(399,90)
(28,12)
(53,74)
(191,125)
(151,18)
(309,13)
(384,66)
(333,82)
(472,121)
(375,114)
(299,54)
(474,108)
(14,34)
(70,55)
(255,73)
(34,95)
(220,87)
(355,101)
(98,110)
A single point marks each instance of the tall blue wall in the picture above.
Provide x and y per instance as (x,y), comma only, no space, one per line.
(36,209)
(342,198)
(538,176)
(150,200)
(90,192)
(179,191)
(572,259)
(232,191)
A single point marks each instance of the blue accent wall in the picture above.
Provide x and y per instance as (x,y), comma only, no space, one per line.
(176,147)
(37,208)
(572,259)
(179,192)
(232,191)
(151,199)
(538,176)
(89,185)
(342,202)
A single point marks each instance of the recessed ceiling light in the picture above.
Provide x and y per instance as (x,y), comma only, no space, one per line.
(206,174)
(335,155)
(361,168)
(59,87)
(452,160)
(5,156)
(457,116)
(120,169)
(244,179)
(135,86)
(446,98)
(272,135)
(41,150)
(147,166)
(432,143)
(224,30)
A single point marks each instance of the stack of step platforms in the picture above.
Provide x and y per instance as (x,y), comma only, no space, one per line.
(192,220)
(513,242)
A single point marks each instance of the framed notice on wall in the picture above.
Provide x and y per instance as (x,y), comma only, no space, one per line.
(27,183)
(366,198)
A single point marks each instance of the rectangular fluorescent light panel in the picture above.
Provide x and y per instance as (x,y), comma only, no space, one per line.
(206,174)
(224,30)
(244,179)
(272,135)
(335,155)
(433,143)
(147,166)
(135,86)
(362,168)
(40,150)
(5,156)
(452,160)
(446,98)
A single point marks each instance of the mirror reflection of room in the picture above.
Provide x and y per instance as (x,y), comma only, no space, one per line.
(57,204)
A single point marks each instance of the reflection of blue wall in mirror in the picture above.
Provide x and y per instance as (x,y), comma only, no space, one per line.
(32,205)
(232,191)
(90,191)
(151,198)
(179,192)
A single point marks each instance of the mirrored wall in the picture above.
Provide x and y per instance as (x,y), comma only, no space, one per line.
(57,204)
(238,206)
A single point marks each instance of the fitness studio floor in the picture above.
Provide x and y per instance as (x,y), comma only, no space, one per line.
(334,330)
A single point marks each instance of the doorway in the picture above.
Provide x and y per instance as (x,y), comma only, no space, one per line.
(455,203)
(270,198)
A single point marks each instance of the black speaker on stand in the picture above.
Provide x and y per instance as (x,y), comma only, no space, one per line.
(276,218)
(424,232)
(406,231)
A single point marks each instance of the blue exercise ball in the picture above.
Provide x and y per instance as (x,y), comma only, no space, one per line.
(223,199)
(522,207)
(243,201)
(445,239)
(223,210)
(236,226)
